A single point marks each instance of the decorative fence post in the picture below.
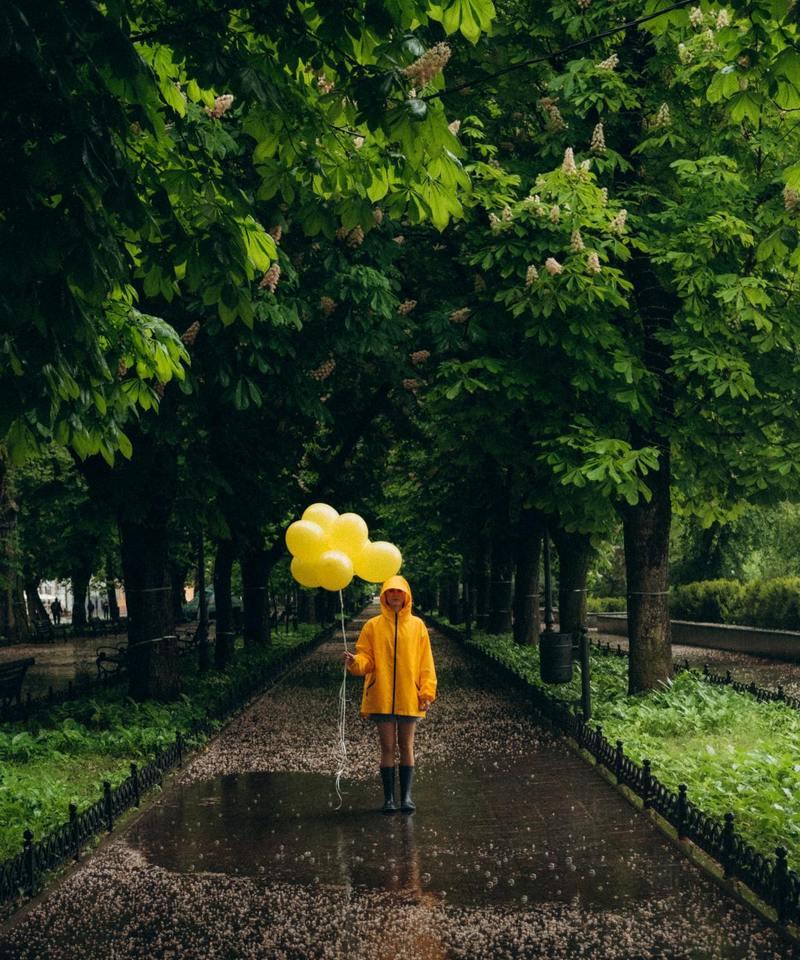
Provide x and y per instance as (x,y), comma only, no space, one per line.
(30,862)
(598,745)
(73,823)
(108,809)
(647,783)
(619,757)
(682,811)
(179,747)
(135,783)
(780,884)
(729,846)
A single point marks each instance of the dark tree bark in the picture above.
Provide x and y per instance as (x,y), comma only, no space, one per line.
(14,624)
(177,576)
(148,593)
(111,589)
(646,529)
(501,560)
(481,580)
(526,578)
(223,565)
(450,600)
(80,587)
(36,609)
(306,607)
(256,566)
(575,554)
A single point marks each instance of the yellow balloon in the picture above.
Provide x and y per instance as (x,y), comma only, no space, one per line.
(378,561)
(349,534)
(305,540)
(305,573)
(321,514)
(335,570)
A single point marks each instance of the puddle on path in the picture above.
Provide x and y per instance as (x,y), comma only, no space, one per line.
(495,837)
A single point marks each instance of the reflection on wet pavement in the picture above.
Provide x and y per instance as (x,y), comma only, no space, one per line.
(478,837)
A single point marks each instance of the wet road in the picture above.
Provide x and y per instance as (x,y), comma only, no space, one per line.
(518,849)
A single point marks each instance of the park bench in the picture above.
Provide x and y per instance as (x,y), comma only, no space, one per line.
(42,631)
(12,673)
(110,660)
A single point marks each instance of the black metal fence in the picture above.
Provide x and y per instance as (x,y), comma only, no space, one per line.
(22,874)
(768,877)
(762,694)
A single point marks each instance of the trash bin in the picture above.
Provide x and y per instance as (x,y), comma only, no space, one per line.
(555,657)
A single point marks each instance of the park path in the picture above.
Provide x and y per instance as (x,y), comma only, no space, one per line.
(518,849)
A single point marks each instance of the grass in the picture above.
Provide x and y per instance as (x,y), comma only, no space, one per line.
(63,753)
(733,753)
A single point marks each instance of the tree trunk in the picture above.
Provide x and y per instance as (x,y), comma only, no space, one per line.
(647,527)
(80,587)
(111,589)
(223,564)
(481,581)
(36,609)
(502,561)
(148,592)
(255,571)
(575,552)
(449,594)
(306,607)
(14,624)
(177,576)
(526,578)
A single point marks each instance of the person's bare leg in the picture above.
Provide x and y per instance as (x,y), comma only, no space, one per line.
(388,739)
(405,732)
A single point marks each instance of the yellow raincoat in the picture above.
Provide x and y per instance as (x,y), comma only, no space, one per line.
(393,654)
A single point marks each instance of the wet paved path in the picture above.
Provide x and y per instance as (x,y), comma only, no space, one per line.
(518,849)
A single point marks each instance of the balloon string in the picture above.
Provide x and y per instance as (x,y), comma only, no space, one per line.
(341,747)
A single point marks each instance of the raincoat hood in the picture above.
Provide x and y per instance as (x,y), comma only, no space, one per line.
(396,583)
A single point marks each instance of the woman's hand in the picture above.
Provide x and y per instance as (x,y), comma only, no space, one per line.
(425,703)
(348,658)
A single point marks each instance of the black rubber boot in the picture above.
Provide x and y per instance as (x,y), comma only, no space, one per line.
(387,775)
(407,805)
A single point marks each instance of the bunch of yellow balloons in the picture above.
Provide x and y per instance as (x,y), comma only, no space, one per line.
(327,548)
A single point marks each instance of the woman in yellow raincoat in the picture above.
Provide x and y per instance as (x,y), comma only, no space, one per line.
(393,654)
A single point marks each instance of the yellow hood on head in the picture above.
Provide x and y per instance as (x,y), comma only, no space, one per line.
(397,583)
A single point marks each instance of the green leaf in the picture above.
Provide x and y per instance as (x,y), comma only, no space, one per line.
(746,104)
(125,446)
(724,84)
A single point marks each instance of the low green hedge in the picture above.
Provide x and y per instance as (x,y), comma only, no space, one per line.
(773,604)
(606,604)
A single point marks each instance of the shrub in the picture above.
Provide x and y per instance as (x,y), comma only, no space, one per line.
(606,604)
(707,601)
(772,604)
